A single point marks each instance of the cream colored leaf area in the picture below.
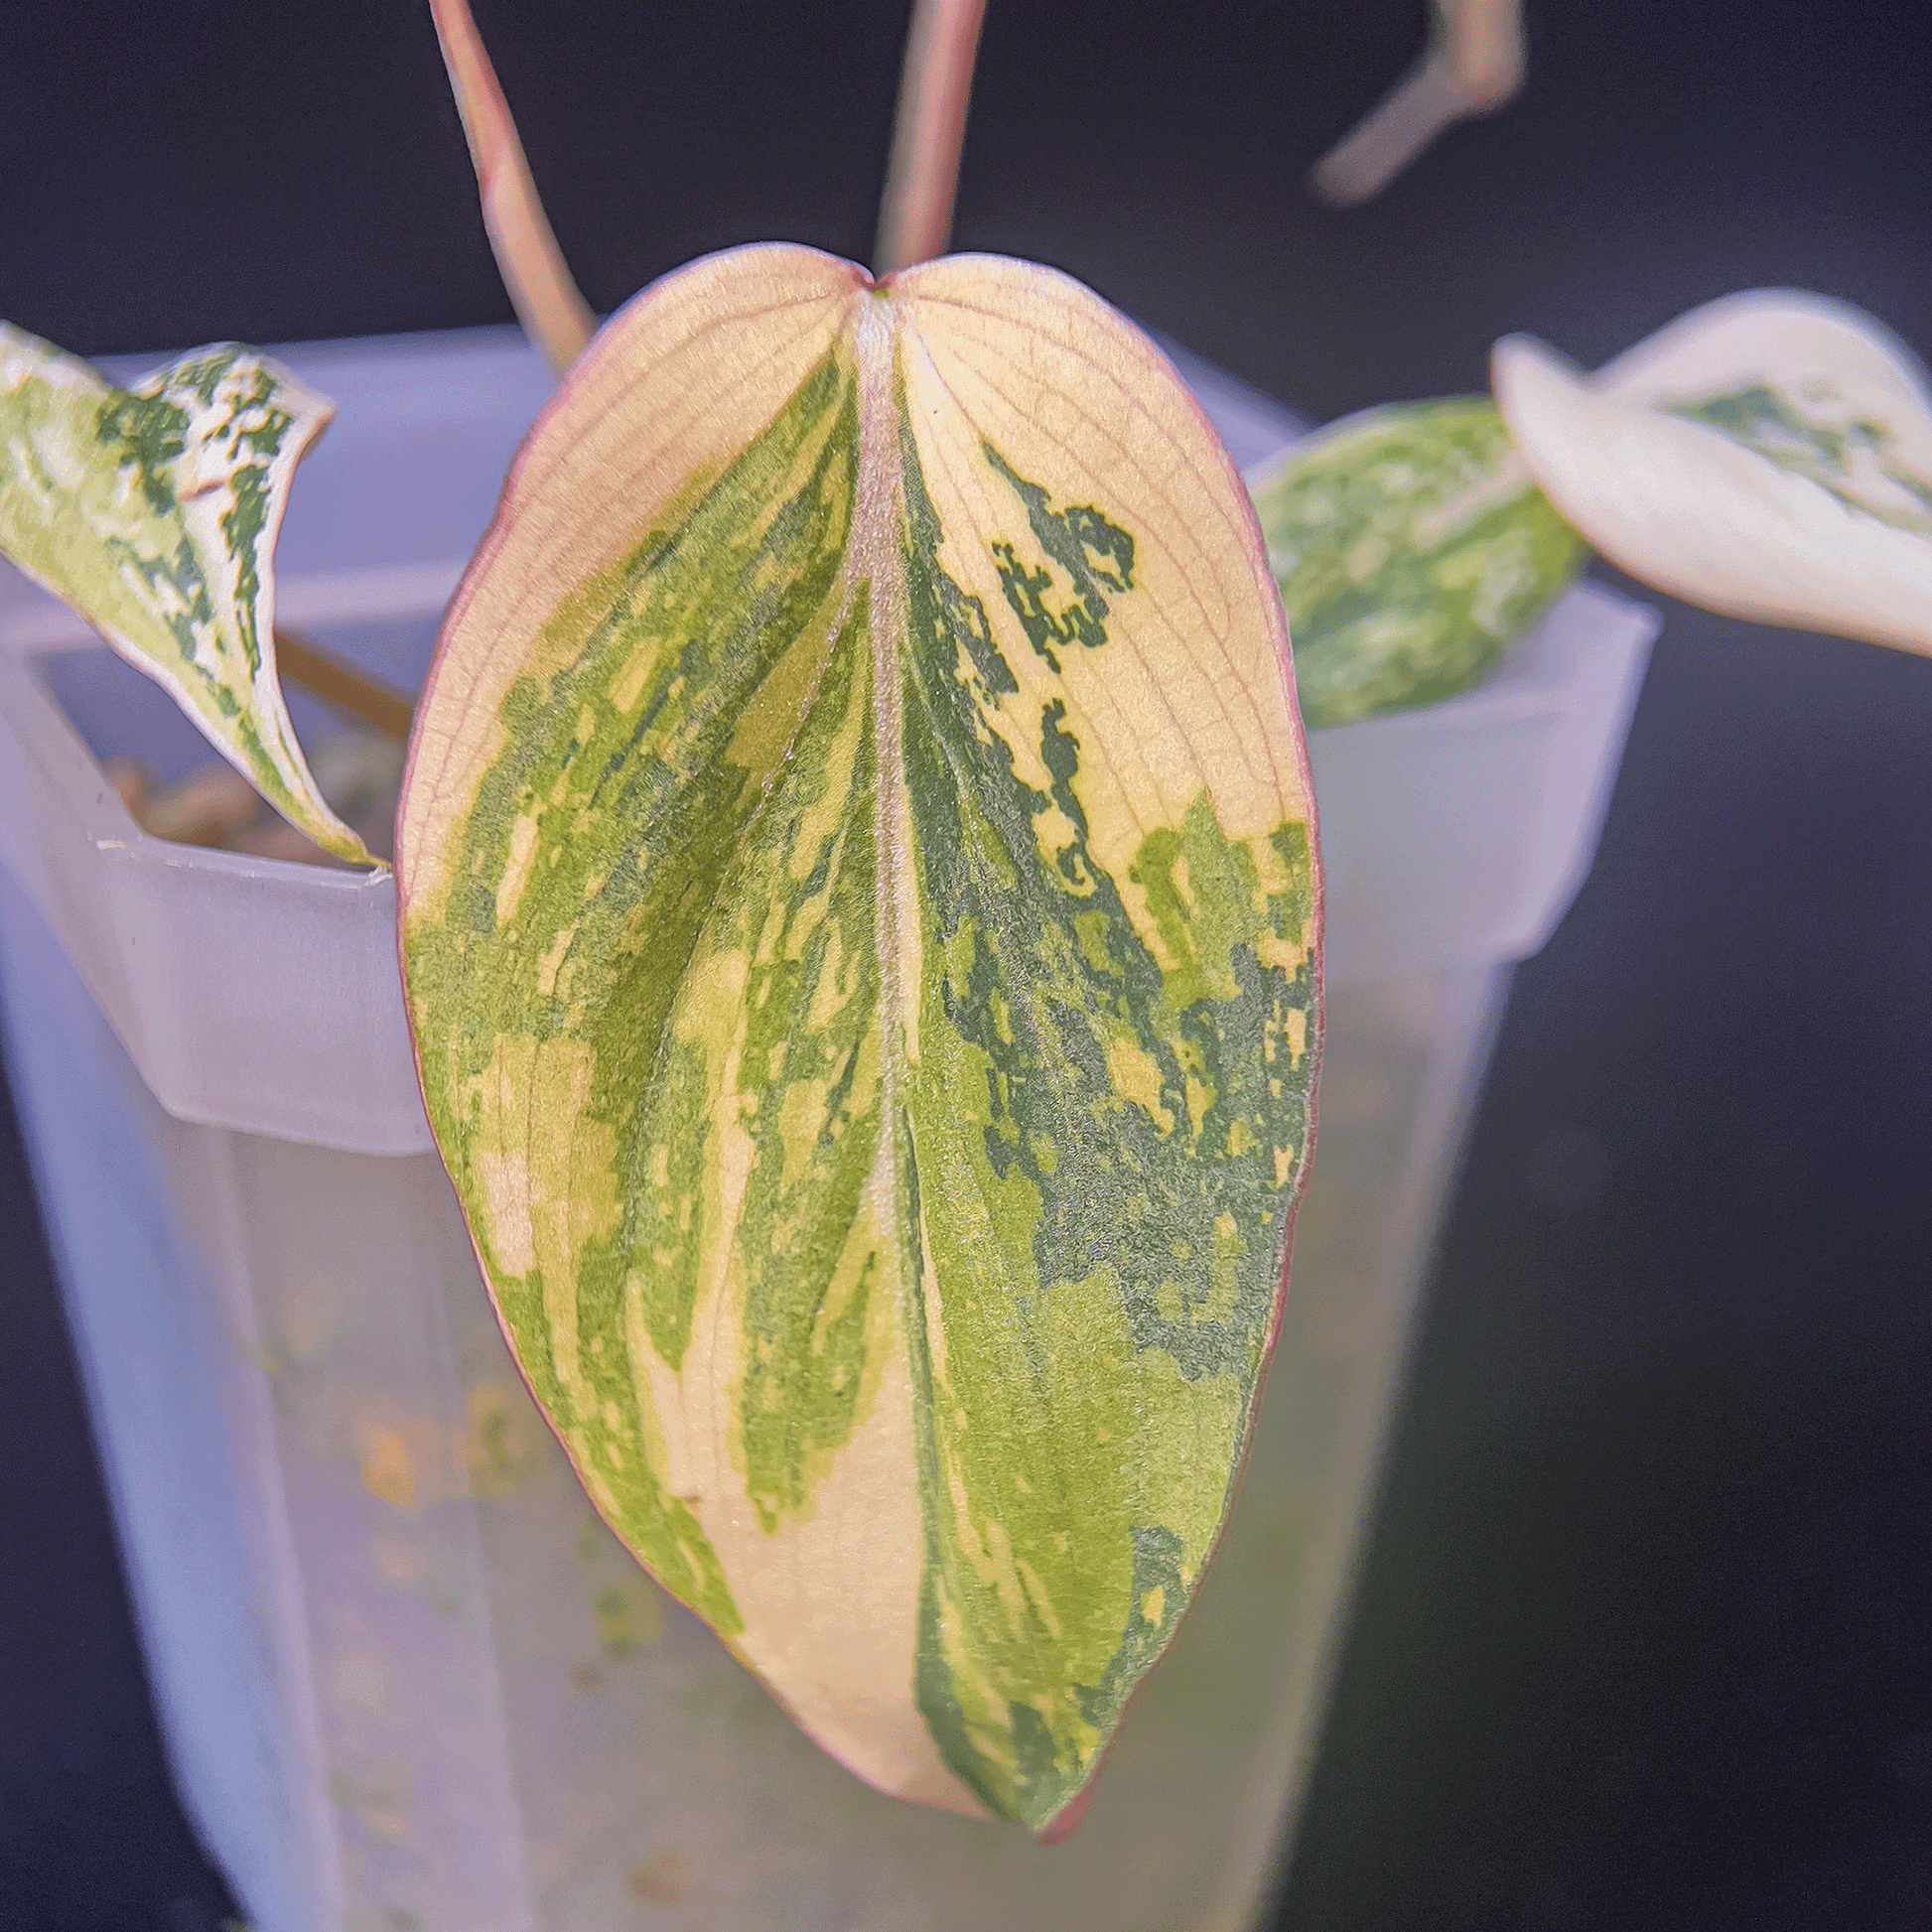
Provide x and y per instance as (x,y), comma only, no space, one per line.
(1768,456)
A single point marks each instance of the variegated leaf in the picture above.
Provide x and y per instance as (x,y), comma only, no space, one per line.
(858,922)
(1413,549)
(1768,456)
(153,512)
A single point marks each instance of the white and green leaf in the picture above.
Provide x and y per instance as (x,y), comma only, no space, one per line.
(154,510)
(1768,456)
(1413,549)
(859,920)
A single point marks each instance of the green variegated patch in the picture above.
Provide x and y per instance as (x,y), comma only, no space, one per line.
(1768,455)
(153,512)
(1818,433)
(1412,549)
(858,922)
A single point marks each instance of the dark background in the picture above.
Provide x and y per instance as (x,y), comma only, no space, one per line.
(1642,1639)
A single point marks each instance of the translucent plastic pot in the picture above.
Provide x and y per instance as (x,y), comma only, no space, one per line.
(408,1682)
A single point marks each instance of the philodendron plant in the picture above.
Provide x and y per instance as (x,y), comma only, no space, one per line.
(858,899)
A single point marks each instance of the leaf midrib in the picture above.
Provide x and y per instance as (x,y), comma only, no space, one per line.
(876,558)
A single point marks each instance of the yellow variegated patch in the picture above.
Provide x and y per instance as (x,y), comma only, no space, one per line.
(860,922)
(153,512)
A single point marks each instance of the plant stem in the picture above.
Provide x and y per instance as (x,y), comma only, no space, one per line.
(326,676)
(553,313)
(916,213)
(1472,65)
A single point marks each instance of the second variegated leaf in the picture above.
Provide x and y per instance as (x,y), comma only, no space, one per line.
(153,512)
(1413,549)
(1768,455)
(859,922)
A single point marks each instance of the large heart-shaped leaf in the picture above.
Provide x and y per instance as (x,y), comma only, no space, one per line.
(1768,456)
(153,512)
(859,920)
(1413,549)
